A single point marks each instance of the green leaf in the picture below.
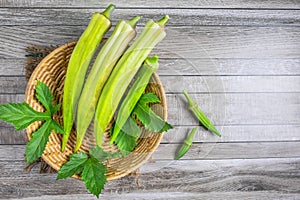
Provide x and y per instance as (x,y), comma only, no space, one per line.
(93,175)
(56,127)
(74,166)
(148,98)
(127,138)
(99,154)
(21,115)
(55,108)
(37,144)
(151,121)
(44,95)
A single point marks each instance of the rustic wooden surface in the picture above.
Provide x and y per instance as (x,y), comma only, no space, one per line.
(240,60)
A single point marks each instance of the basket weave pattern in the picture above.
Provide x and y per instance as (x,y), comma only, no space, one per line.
(52,71)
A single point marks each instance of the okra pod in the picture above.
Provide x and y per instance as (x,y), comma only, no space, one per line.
(78,65)
(110,53)
(186,145)
(193,106)
(135,92)
(123,73)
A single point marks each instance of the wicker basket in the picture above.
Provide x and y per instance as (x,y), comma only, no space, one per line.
(51,71)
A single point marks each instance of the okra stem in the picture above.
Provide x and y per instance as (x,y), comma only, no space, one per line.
(189,139)
(108,10)
(163,21)
(132,22)
(193,106)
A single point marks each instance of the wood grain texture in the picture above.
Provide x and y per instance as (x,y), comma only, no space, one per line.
(186,17)
(202,84)
(256,4)
(197,67)
(230,133)
(199,151)
(236,195)
(239,60)
(194,178)
(227,109)
(187,42)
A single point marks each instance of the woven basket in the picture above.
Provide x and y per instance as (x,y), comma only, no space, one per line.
(51,71)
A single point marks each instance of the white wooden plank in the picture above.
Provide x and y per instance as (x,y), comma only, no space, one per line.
(228,109)
(48,16)
(231,133)
(270,4)
(238,108)
(253,195)
(231,84)
(232,178)
(217,151)
(199,151)
(207,42)
(196,66)
(201,84)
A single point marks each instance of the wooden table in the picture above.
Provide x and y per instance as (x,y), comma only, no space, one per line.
(240,60)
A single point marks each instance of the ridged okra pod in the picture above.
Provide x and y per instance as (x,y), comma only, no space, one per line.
(123,73)
(78,65)
(109,54)
(135,92)
(193,106)
(186,144)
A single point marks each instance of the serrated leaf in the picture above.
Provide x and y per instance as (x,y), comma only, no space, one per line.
(127,138)
(93,175)
(151,121)
(56,127)
(74,166)
(44,95)
(55,108)
(37,144)
(21,115)
(99,154)
(148,98)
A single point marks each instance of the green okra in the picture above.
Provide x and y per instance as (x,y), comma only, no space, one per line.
(186,144)
(123,73)
(193,106)
(110,53)
(78,65)
(135,92)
